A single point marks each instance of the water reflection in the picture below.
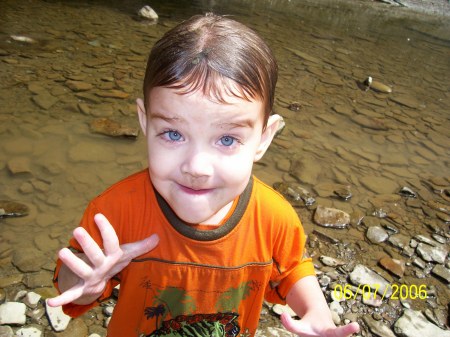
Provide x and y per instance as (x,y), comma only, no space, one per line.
(371,142)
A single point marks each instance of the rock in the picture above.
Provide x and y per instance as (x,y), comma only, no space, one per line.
(78,86)
(378,327)
(363,276)
(29,332)
(18,165)
(113,128)
(376,234)
(430,253)
(6,331)
(379,185)
(148,13)
(27,260)
(90,152)
(45,100)
(331,262)
(32,299)
(273,332)
(414,324)
(13,313)
(76,328)
(57,318)
(331,217)
(370,123)
(396,267)
(442,272)
(296,194)
(10,208)
(280,309)
(113,93)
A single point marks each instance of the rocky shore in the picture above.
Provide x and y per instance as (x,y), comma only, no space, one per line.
(366,169)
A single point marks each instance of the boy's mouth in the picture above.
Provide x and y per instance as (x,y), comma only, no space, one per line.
(195,191)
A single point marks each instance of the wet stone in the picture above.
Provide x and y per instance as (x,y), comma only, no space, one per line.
(10,208)
(377,327)
(29,331)
(331,217)
(89,152)
(114,93)
(78,86)
(370,123)
(331,261)
(415,324)
(442,272)
(27,259)
(396,267)
(6,331)
(361,275)
(376,234)
(432,254)
(45,100)
(12,313)
(57,318)
(113,128)
(379,185)
(19,165)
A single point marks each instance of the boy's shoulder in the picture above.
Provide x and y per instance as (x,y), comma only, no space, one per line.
(270,198)
(133,184)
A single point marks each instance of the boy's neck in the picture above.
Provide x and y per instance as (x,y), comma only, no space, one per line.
(220,217)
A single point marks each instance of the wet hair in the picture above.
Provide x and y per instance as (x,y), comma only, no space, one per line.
(217,55)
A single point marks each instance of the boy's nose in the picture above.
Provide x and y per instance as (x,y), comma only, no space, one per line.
(197,163)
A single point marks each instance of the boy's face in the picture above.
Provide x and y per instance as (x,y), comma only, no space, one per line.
(200,152)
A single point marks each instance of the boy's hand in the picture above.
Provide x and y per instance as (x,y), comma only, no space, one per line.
(317,328)
(85,276)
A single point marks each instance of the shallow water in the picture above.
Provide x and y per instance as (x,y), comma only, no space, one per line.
(375,143)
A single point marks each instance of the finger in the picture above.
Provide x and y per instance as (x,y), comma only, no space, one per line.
(135,249)
(89,246)
(74,263)
(109,236)
(66,297)
(347,330)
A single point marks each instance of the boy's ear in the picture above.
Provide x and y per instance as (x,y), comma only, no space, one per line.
(142,114)
(267,136)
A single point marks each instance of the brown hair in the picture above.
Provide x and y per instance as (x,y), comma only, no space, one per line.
(205,52)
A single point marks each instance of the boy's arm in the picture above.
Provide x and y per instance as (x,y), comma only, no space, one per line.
(307,300)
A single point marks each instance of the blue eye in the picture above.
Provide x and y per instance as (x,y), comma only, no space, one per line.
(227,140)
(173,135)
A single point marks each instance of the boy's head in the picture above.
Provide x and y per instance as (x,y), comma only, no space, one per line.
(217,56)
(209,90)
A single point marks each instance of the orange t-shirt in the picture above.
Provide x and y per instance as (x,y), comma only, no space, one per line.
(198,282)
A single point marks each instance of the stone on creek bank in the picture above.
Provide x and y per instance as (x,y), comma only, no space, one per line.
(58,319)
(376,234)
(331,217)
(414,324)
(113,128)
(13,313)
(432,254)
(361,276)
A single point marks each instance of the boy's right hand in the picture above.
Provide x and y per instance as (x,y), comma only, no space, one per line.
(82,278)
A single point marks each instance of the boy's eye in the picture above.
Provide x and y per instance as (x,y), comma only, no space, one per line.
(227,140)
(173,135)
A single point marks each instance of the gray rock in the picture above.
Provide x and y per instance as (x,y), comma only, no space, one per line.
(32,299)
(29,332)
(363,276)
(376,234)
(378,327)
(57,318)
(273,332)
(430,253)
(442,272)
(414,324)
(6,331)
(330,261)
(28,260)
(13,313)
(148,13)
(331,217)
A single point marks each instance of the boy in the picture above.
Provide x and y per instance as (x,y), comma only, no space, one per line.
(195,241)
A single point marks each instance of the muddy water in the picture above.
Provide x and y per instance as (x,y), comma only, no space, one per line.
(339,135)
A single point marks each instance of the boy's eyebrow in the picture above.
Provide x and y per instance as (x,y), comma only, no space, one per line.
(237,124)
(174,118)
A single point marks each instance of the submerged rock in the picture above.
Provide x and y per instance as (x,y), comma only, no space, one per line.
(10,208)
(331,217)
(148,13)
(294,193)
(363,276)
(113,128)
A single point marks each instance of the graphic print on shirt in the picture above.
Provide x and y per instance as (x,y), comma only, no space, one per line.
(174,311)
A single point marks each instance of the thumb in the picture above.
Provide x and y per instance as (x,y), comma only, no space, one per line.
(138,248)
(296,326)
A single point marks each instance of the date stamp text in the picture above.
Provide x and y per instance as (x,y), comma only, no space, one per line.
(373,291)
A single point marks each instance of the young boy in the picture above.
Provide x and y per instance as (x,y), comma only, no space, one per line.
(195,241)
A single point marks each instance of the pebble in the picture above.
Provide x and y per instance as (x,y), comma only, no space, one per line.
(29,332)
(331,262)
(442,272)
(432,254)
(377,327)
(148,13)
(6,331)
(113,128)
(396,267)
(361,275)
(32,299)
(376,234)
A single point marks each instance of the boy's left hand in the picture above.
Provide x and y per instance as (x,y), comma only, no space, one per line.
(316,328)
